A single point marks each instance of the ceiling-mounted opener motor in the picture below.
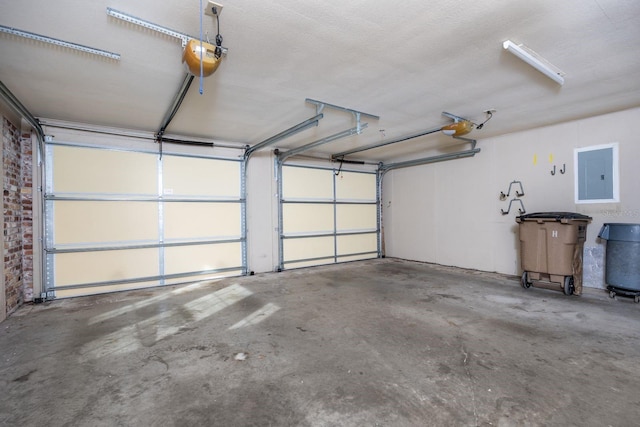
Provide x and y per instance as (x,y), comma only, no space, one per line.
(202,58)
(192,46)
(462,126)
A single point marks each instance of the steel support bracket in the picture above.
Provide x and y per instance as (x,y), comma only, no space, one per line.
(321,104)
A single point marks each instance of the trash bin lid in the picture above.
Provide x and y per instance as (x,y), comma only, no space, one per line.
(620,232)
(554,216)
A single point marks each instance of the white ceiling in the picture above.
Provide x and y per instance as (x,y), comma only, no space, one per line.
(403,61)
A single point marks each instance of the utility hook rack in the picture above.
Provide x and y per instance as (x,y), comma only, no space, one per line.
(522,210)
(518,193)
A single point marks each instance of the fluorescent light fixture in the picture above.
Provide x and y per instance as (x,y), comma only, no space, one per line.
(535,60)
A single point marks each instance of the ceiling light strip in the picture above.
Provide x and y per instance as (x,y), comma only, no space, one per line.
(535,60)
(58,42)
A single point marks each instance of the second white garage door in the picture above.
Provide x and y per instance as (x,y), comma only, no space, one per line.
(327,216)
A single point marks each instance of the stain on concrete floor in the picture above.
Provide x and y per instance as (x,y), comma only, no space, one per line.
(374,343)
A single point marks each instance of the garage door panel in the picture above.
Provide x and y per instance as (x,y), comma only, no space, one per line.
(307,218)
(307,183)
(201,220)
(308,247)
(314,263)
(194,258)
(91,170)
(356,217)
(357,243)
(186,278)
(359,257)
(103,221)
(78,292)
(356,186)
(191,176)
(104,266)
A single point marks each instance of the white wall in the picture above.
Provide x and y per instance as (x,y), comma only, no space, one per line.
(262,213)
(449,213)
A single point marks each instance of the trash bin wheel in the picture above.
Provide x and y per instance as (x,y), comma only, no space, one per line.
(636,299)
(568,285)
(612,294)
(524,281)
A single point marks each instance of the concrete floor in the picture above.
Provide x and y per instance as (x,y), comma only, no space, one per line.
(374,343)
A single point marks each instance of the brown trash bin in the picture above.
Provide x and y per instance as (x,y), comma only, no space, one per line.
(551,246)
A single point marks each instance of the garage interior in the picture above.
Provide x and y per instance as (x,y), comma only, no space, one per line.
(315,224)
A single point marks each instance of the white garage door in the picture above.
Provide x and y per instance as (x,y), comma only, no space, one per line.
(327,217)
(119,220)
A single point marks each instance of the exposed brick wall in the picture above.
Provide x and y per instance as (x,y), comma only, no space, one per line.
(18,216)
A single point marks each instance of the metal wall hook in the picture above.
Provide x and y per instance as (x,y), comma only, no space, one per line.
(518,193)
(562,171)
(521,209)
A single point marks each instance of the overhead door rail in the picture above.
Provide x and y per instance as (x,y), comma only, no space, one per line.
(340,155)
(283,156)
(313,121)
(384,168)
(460,126)
(320,105)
